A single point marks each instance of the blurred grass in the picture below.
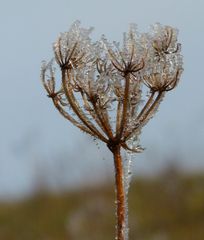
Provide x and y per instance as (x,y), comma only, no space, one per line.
(169,207)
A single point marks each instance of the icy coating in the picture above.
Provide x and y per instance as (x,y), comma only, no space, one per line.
(110,90)
(97,71)
(127,168)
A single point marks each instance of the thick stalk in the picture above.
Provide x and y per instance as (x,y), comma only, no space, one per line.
(120,194)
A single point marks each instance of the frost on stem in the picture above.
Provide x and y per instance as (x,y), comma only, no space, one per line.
(102,89)
(127,169)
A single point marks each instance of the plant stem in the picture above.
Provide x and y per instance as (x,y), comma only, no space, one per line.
(120,194)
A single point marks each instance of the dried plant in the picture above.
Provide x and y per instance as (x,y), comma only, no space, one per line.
(111,90)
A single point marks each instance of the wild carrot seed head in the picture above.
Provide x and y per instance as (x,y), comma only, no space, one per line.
(103,84)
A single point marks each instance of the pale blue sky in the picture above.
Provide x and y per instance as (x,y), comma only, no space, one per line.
(32,130)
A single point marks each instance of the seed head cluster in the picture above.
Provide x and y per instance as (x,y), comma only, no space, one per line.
(111,90)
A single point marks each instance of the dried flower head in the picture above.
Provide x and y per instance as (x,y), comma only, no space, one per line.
(109,79)
(111,90)
(72,49)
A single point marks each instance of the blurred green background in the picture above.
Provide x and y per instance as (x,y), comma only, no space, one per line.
(167,207)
